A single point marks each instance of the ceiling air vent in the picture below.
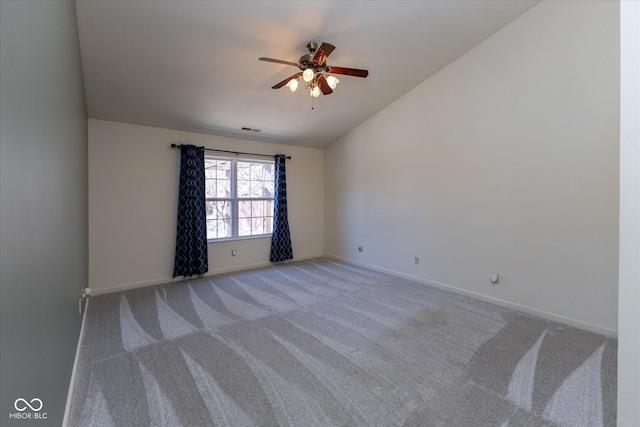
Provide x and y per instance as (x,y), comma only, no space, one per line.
(250,129)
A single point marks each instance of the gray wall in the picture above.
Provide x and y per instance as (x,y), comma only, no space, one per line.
(43,203)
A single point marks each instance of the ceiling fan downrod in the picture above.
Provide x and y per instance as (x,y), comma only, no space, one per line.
(312,47)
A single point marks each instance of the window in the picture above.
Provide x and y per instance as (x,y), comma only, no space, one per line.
(239,197)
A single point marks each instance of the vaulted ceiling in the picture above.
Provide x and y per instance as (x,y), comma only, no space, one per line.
(193,65)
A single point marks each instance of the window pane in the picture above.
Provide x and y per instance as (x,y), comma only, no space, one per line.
(256,171)
(218,178)
(218,229)
(262,171)
(257,225)
(216,168)
(210,167)
(223,188)
(218,219)
(244,209)
(268,225)
(253,180)
(265,208)
(268,216)
(220,209)
(210,188)
(256,189)
(244,188)
(244,170)
(255,217)
(268,189)
(244,227)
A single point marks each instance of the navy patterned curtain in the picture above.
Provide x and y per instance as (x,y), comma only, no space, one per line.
(191,239)
(281,238)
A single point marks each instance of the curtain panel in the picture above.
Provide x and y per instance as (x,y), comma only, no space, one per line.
(191,239)
(281,237)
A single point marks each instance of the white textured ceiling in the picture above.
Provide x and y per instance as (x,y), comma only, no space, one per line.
(193,65)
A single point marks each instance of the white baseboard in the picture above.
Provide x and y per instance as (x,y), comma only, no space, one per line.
(74,370)
(216,272)
(525,309)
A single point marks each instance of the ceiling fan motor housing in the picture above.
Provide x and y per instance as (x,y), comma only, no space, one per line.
(306,61)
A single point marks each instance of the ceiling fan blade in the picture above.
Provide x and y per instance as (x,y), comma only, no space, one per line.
(348,71)
(324,86)
(285,81)
(278,61)
(323,52)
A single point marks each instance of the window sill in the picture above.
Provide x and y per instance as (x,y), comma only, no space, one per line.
(231,239)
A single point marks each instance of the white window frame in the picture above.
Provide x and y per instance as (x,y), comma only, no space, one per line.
(234,199)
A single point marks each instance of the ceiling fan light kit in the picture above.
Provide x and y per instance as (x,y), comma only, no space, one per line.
(308,75)
(315,72)
(293,84)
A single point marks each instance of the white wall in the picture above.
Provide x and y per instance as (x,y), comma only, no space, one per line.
(505,161)
(629,288)
(133,193)
(43,204)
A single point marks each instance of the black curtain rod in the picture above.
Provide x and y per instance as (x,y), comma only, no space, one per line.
(226,151)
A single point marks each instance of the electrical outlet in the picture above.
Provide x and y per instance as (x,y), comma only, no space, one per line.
(495,278)
(233,252)
(416,260)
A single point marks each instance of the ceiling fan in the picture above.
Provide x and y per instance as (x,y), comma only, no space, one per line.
(314,70)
